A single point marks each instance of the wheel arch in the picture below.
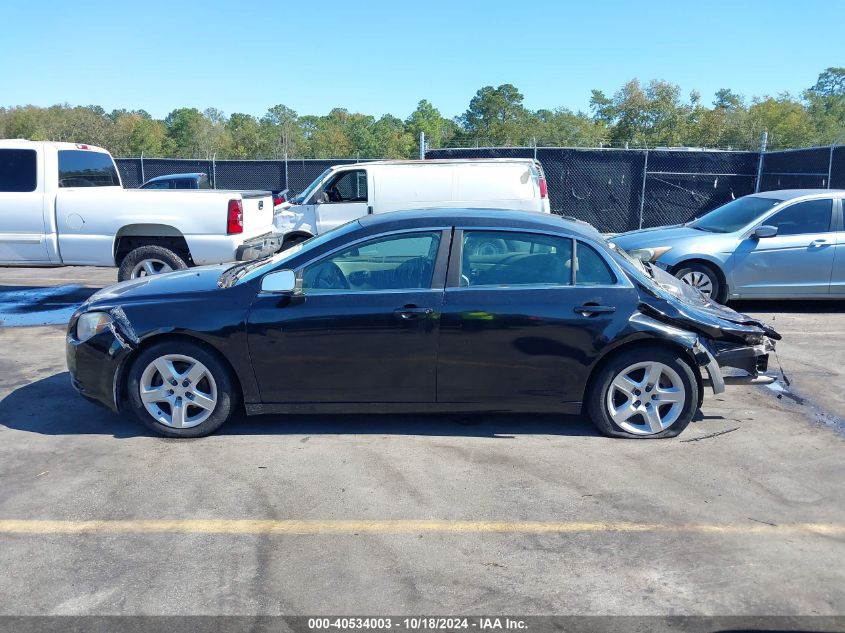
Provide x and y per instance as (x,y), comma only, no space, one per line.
(131,236)
(121,383)
(643,341)
(295,235)
(706,261)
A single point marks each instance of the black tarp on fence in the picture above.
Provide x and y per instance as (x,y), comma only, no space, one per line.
(272,175)
(621,190)
(614,189)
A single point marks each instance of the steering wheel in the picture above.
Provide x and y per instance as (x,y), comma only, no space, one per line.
(329,276)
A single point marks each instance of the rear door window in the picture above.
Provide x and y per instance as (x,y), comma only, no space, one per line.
(500,258)
(18,170)
(812,216)
(590,268)
(84,168)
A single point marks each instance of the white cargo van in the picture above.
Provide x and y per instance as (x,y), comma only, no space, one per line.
(346,192)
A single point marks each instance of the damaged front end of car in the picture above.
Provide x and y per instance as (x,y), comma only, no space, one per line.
(724,338)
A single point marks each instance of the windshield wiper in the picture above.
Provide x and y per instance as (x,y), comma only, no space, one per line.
(231,275)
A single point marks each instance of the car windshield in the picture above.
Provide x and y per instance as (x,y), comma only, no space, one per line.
(734,215)
(302,197)
(243,272)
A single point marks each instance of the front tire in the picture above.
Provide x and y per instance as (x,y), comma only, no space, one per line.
(149,260)
(180,389)
(647,392)
(705,279)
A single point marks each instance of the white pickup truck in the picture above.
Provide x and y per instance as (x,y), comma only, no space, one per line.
(62,204)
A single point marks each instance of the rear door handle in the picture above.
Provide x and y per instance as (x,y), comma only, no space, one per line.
(819,242)
(412,312)
(588,310)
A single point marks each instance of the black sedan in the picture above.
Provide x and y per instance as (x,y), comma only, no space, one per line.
(449,310)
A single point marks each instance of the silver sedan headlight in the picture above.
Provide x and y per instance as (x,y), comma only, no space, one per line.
(649,254)
(90,324)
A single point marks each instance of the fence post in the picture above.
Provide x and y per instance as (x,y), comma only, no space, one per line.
(535,147)
(763,142)
(422,145)
(642,191)
(214,169)
(830,160)
(143,180)
(287,180)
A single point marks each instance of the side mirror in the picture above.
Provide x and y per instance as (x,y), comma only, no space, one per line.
(279,282)
(764,231)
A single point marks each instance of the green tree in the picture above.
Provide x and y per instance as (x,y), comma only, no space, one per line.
(496,115)
(186,127)
(426,118)
(283,131)
(244,136)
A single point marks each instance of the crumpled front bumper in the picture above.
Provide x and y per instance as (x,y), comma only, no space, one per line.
(751,359)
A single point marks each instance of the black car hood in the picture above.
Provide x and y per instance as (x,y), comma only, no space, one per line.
(682,304)
(177,283)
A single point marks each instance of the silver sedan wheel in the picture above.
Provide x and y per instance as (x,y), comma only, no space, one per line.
(148,267)
(178,391)
(700,281)
(646,398)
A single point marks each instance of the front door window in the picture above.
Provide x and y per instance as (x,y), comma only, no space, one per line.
(396,262)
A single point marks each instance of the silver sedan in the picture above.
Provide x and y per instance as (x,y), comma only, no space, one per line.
(787,244)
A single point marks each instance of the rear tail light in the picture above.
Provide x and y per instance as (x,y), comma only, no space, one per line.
(235,220)
(277,200)
(544,192)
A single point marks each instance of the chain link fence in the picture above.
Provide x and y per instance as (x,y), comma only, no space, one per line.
(614,189)
(621,190)
(270,175)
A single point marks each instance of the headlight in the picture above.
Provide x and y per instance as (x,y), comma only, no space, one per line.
(90,324)
(649,254)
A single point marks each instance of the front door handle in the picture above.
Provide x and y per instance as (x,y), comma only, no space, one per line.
(819,242)
(589,310)
(412,312)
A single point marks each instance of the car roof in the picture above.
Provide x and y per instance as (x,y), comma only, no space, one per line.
(194,174)
(791,194)
(487,218)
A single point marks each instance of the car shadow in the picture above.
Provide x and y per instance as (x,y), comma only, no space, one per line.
(50,406)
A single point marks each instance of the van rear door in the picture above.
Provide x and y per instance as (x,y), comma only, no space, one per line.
(505,185)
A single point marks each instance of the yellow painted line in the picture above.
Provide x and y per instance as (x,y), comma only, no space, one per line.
(310,527)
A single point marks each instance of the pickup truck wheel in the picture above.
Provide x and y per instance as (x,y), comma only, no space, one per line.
(180,389)
(643,393)
(149,260)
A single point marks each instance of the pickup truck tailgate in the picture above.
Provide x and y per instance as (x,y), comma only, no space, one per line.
(258,211)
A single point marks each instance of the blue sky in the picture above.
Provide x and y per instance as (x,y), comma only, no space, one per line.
(384,56)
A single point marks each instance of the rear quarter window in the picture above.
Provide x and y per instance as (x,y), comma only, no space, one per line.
(84,168)
(18,170)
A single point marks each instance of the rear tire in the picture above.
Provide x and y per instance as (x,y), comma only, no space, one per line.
(705,278)
(643,393)
(149,260)
(177,409)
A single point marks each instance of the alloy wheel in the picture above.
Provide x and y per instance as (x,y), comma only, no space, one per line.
(149,267)
(178,391)
(646,398)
